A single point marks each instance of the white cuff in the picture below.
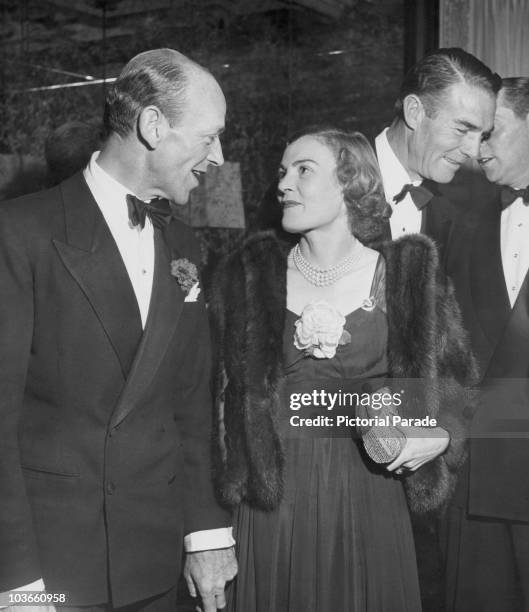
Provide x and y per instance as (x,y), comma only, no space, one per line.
(210,539)
(38,585)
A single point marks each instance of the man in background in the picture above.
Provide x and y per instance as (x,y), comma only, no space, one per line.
(488,522)
(445,106)
(69,147)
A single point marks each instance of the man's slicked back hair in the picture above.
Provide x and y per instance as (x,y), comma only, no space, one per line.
(434,73)
(514,94)
(158,77)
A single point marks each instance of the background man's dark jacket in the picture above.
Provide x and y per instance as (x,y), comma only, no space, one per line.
(498,487)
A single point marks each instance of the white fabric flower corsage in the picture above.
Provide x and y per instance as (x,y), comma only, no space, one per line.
(319,330)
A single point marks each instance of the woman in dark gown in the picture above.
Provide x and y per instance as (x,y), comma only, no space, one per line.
(321,526)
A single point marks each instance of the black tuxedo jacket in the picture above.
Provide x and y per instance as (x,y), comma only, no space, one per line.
(105,435)
(498,486)
(438,220)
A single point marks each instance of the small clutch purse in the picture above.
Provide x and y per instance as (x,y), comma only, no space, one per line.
(382,442)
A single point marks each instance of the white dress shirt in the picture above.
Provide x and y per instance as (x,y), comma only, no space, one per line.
(135,245)
(515,246)
(406,218)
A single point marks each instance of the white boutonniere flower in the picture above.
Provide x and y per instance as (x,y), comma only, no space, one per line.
(320,330)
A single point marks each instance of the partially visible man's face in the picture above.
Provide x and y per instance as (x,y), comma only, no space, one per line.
(440,144)
(192,145)
(504,157)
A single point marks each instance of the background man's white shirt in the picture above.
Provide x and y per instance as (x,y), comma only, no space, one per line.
(515,246)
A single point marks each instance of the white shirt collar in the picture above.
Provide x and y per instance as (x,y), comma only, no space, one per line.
(394,175)
(517,207)
(109,194)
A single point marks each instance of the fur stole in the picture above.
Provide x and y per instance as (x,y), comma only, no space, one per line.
(426,340)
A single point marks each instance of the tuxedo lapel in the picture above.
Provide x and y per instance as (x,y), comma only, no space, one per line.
(487,281)
(437,219)
(91,256)
(434,224)
(165,308)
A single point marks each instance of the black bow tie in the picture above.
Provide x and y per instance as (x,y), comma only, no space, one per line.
(158,211)
(508,195)
(419,194)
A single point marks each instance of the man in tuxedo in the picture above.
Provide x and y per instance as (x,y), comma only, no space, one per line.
(105,362)
(488,522)
(445,106)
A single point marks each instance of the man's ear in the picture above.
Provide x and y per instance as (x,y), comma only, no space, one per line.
(413,111)
(151,126)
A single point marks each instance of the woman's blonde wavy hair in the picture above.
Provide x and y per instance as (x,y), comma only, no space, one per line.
(359,175)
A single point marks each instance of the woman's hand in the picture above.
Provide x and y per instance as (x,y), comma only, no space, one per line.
(423,444)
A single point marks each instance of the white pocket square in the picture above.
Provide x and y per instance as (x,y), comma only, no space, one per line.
(193,294)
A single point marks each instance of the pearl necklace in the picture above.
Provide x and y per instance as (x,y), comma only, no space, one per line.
(323,277)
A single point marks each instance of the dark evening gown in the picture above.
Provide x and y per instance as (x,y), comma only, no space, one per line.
(341,539)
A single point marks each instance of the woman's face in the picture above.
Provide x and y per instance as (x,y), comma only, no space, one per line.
(309,191)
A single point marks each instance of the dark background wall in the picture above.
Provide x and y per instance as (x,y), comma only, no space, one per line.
(281,69)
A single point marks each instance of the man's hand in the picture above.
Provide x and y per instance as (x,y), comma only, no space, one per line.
(208,571)
(423,444)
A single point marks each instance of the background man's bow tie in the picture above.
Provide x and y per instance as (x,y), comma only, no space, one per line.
(419,194)
(158,211)
(508,195)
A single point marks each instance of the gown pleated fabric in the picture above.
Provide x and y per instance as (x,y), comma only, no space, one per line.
(341,539)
